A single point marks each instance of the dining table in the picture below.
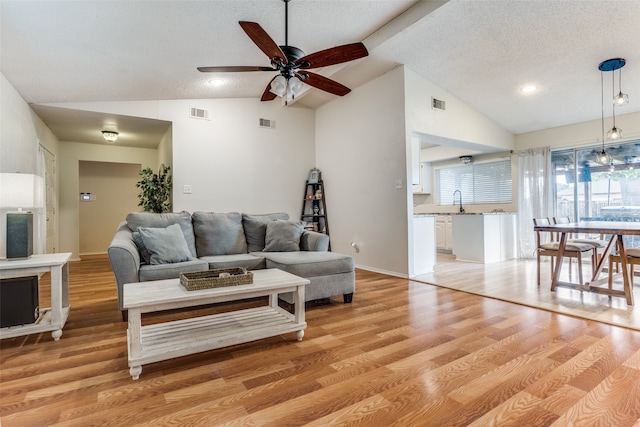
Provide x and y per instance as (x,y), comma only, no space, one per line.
(614,232)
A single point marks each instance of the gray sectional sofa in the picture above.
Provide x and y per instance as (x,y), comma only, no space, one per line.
(149,246)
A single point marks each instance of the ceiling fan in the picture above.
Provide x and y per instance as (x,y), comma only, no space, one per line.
(292,64)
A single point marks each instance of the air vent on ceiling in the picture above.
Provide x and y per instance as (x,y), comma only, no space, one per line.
(437,104)
(198,113)
(266,123)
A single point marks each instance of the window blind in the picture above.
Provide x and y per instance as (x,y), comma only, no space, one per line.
(481,183)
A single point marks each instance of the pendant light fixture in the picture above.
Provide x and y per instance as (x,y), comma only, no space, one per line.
(614,133)
(621,98)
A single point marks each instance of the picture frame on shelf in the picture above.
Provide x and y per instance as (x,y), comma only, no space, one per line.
(314,176)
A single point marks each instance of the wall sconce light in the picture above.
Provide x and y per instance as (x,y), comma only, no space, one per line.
(109,135)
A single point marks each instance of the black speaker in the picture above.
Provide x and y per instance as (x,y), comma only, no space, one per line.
(19,235)
(18,301)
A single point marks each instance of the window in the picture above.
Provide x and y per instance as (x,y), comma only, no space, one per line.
(481,183)
(588,190)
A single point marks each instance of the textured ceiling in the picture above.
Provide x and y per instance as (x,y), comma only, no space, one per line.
(481,51)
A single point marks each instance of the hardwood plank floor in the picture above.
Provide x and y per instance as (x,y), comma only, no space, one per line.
(404,353)
(515,281)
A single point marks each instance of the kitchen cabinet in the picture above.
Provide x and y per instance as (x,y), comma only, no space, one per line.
(484,238)
(424,184)
(444,233)
(424,246)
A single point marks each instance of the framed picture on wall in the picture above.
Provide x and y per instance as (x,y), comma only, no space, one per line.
(314,176)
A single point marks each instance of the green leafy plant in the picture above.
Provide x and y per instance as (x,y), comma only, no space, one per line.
(156,190)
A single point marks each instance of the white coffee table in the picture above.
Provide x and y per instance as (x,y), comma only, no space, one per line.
(162,341)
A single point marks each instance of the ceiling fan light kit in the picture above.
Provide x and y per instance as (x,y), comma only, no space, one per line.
(292,64)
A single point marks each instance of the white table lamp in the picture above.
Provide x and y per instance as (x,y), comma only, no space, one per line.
(20,191)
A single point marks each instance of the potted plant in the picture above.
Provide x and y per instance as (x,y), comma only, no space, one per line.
(155,190)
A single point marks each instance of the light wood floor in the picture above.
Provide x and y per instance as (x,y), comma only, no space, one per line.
(404,353)
(515,281)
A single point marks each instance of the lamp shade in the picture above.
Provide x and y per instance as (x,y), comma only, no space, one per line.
(278,86)
(21,190)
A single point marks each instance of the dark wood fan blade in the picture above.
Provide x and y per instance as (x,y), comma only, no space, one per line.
(328,85)
(266,95)
(233,69)
(263,40)
(334,55)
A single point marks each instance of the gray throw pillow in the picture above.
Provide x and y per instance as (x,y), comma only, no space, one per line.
(165,245)
(283,236)
(255,228)
(136,220)
(219,233)
(144,253)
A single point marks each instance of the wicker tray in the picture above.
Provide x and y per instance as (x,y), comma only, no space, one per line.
(212,278)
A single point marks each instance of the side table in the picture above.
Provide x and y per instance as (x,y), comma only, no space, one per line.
(50,319)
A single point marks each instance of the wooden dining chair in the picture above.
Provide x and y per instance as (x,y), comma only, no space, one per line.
(596,243)
(547,244)
(633,259)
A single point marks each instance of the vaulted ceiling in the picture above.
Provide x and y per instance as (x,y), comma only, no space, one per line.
(482,52)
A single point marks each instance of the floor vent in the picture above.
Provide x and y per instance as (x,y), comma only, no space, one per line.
(437,104)
(197,113)
(266,123)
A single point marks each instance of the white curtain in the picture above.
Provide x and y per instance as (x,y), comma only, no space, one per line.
(40,214)
(535,195)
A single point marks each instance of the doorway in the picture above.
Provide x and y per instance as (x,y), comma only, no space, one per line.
(108,193)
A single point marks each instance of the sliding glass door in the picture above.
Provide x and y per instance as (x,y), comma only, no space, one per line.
(587,189)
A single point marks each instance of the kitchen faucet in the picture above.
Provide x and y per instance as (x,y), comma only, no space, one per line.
(454,200)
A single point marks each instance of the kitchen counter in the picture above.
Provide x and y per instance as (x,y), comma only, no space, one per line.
(484,238)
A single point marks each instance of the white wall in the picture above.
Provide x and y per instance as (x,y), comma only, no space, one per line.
(21,130)
(230,163)
(361,151)
(458,121)
(234,165)
(580,134)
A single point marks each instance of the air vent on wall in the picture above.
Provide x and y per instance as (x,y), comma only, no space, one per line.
(437,104)
(266,123)
(197,113)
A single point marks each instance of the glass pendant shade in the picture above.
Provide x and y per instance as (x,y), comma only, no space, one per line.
(294,87)
(603,157)
(614,133)
(278,86)
(621,99)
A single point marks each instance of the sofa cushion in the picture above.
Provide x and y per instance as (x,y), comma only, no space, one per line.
(219,233)
(150,219)
(170,271)
(309,264)
(165,245)
(255,228)
(283,236)
(250,262)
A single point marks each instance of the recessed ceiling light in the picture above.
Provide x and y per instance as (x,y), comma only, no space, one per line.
(216,82)
(529,89)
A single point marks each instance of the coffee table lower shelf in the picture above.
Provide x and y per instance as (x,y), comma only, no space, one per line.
(165,341)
